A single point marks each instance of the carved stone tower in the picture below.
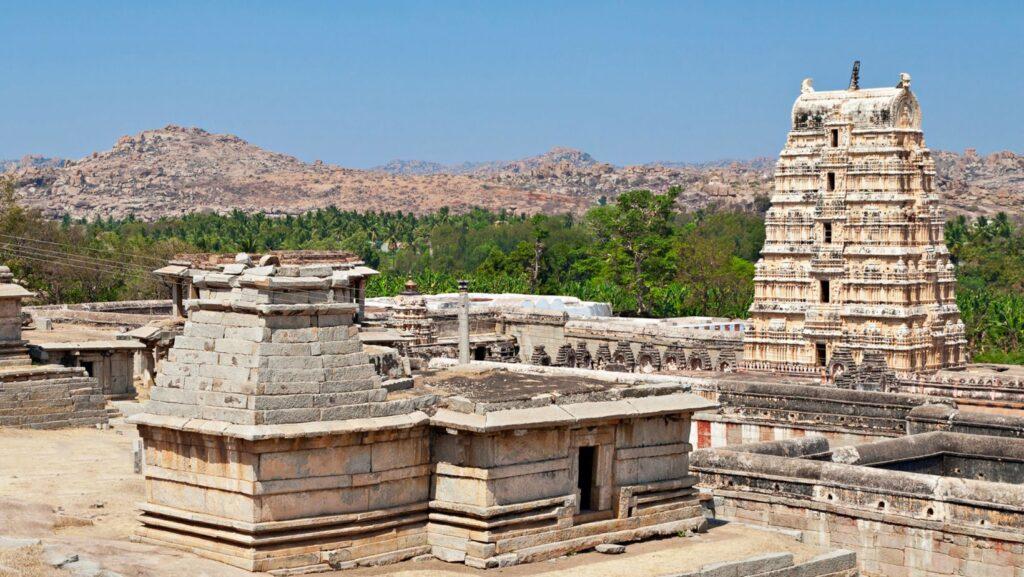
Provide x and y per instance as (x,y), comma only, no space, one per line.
(854,255)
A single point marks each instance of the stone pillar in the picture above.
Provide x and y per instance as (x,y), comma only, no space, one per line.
(463,322)
(177,298)
(361,299)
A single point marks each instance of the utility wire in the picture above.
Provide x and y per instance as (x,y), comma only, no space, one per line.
(72,261)
(138,256)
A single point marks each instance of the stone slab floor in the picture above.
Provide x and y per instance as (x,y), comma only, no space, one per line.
(74,491)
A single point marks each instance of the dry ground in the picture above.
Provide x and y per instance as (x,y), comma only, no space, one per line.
(75,489)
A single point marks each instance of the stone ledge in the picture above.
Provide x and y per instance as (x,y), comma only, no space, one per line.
(271,309)
(291,431)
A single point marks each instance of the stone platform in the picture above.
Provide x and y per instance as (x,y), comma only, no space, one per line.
(39,396)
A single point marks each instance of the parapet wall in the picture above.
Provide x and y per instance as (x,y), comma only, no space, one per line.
(757,408)
(898,523)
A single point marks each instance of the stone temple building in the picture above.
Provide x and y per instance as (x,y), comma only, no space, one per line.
(271,443)
(854,258)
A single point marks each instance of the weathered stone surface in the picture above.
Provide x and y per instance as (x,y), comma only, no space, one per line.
(847,235)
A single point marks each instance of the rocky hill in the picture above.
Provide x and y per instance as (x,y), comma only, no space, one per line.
(973,184)
(175,170)
(31,161)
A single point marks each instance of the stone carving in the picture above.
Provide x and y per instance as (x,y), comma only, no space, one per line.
(583,359)
(624,356)
(700,360)
(649,360)
(540,356)
(604,355)
(565,357)
(674,358)
(853,254)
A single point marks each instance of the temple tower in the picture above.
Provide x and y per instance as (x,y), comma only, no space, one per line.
(854,255)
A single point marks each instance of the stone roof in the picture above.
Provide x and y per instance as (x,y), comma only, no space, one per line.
(485,396)
(14,291)
(865,108)
(213,261)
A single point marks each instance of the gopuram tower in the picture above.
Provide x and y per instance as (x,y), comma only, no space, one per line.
(854,258)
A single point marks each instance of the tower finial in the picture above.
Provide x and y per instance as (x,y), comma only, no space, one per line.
(807,86)
(855,76)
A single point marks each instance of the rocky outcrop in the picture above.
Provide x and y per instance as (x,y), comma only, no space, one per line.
(973,184)
(175,170)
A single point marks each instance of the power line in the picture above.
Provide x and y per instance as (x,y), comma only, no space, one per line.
(77,258)
(37,240)
(70,260)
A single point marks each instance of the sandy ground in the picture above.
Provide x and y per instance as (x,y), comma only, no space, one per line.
(75,489)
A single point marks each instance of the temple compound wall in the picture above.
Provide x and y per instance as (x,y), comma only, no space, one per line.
(271,443)
(924,505)
(759,407)
(554,330)
(854,257)
(39,396)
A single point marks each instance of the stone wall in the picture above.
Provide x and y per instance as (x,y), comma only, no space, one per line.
(754,408)
(49,397)
(654,345)
(929,418)
(982,392)
(898,523)
(39,397)
(310,501)
(839,563)
(512,497)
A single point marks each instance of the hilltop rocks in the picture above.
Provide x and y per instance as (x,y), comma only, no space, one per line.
(176,170)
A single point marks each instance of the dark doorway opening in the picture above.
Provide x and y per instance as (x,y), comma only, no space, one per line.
(479,353)
(835,137)
(828,233)
(820,351)
(88,366)
(831,181)
(825,291)
(585,480)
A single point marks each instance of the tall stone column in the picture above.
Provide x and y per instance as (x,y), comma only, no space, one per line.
(463,322)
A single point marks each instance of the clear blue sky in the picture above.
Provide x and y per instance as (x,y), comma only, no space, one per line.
(359,83)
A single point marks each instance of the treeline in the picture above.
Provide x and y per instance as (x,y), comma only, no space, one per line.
(641,254)
(989,253)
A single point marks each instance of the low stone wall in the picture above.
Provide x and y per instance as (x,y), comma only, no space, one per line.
(898,523)
(982,393)
(50,397)
(945,418)
(121,313)
(833,564)
(753,410)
